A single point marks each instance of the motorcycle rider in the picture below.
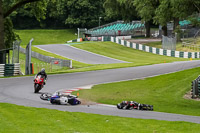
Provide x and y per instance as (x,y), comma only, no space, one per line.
(43,75)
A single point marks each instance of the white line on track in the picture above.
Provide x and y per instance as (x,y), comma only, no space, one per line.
(97,54)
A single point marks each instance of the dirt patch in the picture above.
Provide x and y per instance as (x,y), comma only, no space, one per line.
(189,96)
(144,41)
(86,102)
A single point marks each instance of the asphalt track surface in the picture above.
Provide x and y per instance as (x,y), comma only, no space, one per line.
(19,90)
(78,54)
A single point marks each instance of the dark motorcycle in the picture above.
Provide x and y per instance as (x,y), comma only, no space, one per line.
(134,105)
(128,105)
(146,107)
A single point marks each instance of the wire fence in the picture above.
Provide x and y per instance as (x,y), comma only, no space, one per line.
(169,43)
(15,54)
(64,63)
(49,67)
(192,42)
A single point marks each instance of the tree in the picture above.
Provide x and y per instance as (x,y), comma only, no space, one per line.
(174,10)
(163,14)
(120,9)
(146,10)
(84,13)
(7,7)
(164,11)
(132,9)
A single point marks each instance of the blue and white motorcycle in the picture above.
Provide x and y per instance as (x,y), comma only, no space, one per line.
(60,99)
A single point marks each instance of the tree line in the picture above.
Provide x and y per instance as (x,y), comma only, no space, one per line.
(26,14)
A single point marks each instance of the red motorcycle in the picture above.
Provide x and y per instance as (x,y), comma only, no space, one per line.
(38,83)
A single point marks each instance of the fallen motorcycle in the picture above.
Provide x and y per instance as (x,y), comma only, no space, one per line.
(60,99)
(134,105)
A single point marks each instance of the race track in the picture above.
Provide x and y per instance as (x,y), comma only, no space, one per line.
(78,54)
(20,90)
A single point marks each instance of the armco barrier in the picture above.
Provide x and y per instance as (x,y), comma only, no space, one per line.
(99,38)
(75,40)
(9,69)
(158,51)
(66,63)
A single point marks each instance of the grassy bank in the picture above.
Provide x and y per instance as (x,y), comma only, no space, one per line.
(44,36)
(113,50)
(27,119)
(117,51)
(134,57)
(165,92)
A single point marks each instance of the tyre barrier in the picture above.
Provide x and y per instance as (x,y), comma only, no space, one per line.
(10,69)
(195,88)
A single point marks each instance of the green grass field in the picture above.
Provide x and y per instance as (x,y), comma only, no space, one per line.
(117,51)
(113,50)
(21,119)
(46,36)
(135,57)
(165,92)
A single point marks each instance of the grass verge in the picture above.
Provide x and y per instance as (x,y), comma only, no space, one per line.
(117,51)
(165,92)
(134,57)
(44,36)
(27,119)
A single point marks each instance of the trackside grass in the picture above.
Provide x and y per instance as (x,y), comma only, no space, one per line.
(117,51)
(165,92)
(134,57)
(45,36)
(20,119)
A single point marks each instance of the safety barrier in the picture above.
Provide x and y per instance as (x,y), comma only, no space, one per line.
(65,63)
(75,40)
(195,88)
(2,66)
(101,38)
(154,50)
(10,69)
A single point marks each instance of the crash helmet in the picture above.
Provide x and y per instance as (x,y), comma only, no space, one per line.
(43,70)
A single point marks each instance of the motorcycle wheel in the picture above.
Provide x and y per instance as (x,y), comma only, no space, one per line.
(46,96)
(78,102)
(37,88)
(119,106)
